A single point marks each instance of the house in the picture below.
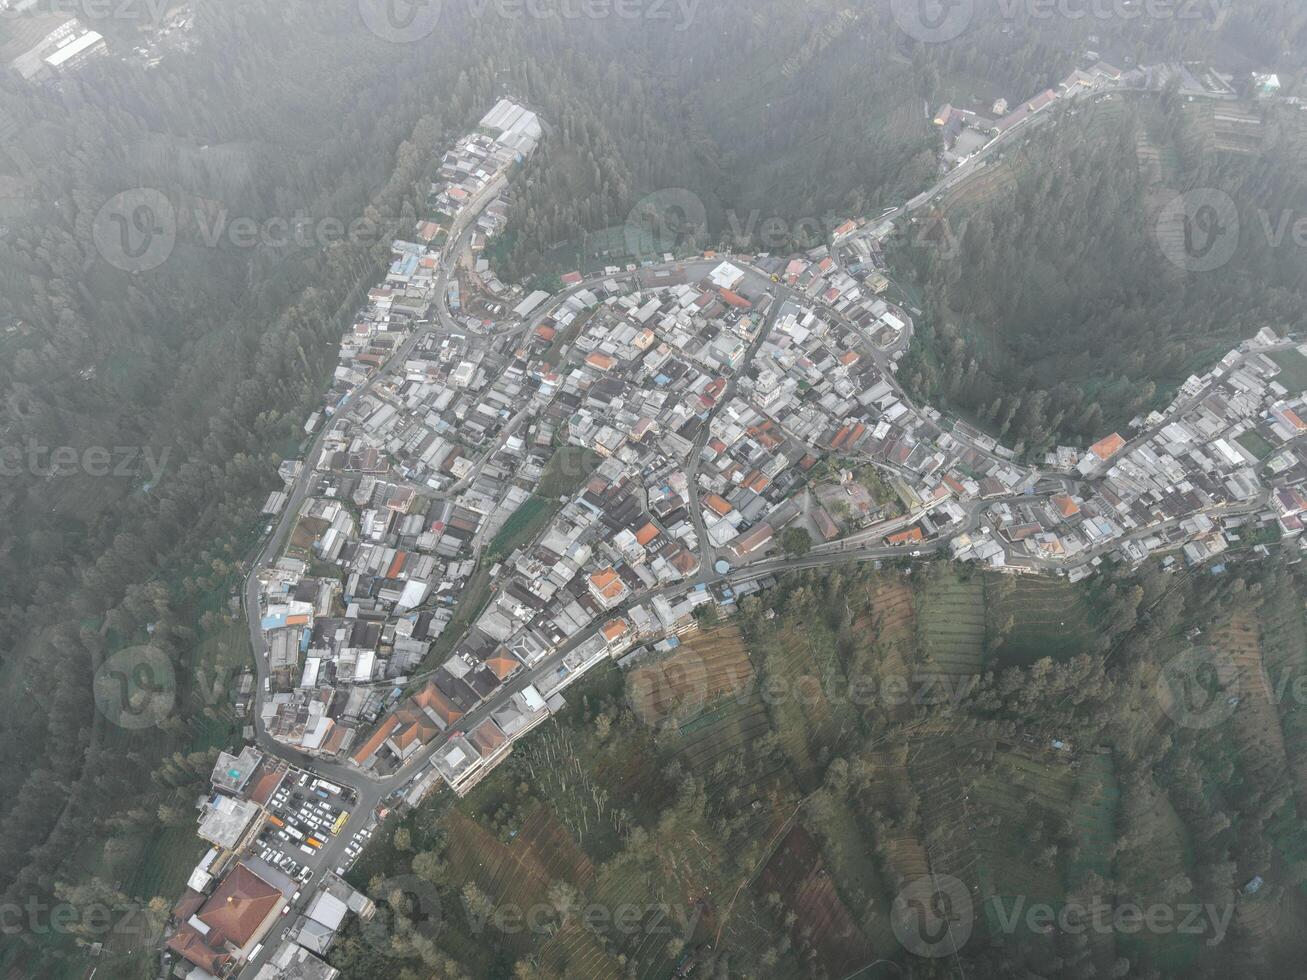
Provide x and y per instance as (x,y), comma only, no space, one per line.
(227,925)
(608,589)
(291,961)
(912,535)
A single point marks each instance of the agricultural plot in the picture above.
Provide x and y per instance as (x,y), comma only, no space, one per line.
(845,846)
(1284,652)
(936,762)
(889,627)
(575,951)
(1016,807)
(1161,851)
(1093,819)
(952,626)
(1255,721)
(1032,617)
(807,694)
(709,666)
(822,922)
(307,530)
(1293,369)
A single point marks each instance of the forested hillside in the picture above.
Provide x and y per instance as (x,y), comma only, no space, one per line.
(1056,312)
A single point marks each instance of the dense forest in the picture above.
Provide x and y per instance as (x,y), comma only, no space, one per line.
(1057,313)
(208,364)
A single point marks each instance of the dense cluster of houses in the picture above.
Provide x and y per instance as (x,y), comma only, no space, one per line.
(235,899)
(476,169)
(701,415)
(377,561)
(1224,460)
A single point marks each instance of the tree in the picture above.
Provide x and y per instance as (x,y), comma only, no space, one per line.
(796,541)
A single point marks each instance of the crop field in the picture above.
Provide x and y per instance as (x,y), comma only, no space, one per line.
(708,666)
(307,530)
(935,762)
(857,879)
(888,632)
(952,626)
(1093,818)
(805,681)
(1255,720)
(1162,850)
(1022,793)
(1284,652)
(1032,617)
(575,951)
(523,526)
(798,876)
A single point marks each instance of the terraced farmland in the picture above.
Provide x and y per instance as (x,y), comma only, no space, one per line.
(1032,617)
(952,626)
(710,665)
(1014,806)
(1255,720)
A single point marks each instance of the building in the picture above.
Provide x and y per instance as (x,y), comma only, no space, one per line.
(608,588)
(44,45)
(229,923)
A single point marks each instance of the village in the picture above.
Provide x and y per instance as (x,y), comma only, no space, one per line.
(505,489)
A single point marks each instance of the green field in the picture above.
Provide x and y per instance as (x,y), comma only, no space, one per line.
(526,523)
(1255,444)
(1032,617)
(1293,369)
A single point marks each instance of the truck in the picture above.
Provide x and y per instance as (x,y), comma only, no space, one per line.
(294,832)
(329,787)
